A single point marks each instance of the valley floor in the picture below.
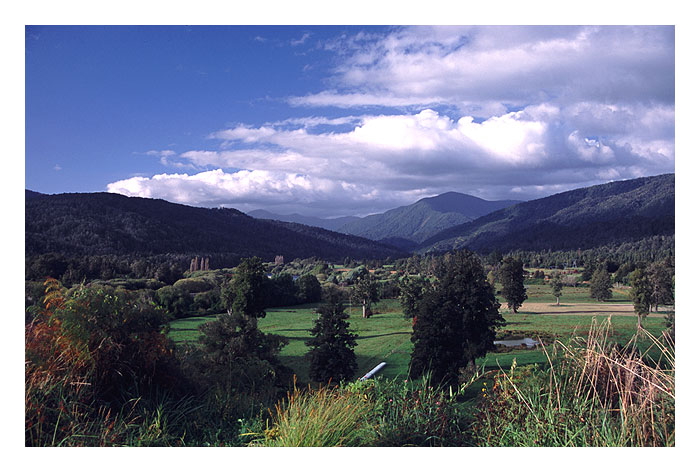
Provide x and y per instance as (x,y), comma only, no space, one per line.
(386,336)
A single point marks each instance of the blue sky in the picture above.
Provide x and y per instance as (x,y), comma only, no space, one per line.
(332,121)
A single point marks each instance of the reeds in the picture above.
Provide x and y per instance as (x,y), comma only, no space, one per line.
(592,392)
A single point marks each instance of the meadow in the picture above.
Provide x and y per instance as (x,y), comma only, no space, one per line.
(386,336)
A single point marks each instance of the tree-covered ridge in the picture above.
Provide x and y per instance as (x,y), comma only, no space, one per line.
(103,223)
(589,217)
(424,218)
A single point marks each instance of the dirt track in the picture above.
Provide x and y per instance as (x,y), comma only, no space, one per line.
(603,309)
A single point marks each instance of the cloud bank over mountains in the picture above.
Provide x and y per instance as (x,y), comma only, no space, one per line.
(496,112)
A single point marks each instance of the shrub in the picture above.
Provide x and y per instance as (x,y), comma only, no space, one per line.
(235,354)
(414,413)
(83,352)
(175,301)
(194,285)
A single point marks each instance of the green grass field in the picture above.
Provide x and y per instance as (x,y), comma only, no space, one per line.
(386,336)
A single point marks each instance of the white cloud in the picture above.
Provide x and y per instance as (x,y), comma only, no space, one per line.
(300,41)
(389,159)
(498,112)
(248,190)
(509,65)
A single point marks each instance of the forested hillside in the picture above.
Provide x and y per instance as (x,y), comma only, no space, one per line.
(424,218)
(104,223)
(612,213)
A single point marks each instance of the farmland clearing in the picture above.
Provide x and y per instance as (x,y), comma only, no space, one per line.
(386,336)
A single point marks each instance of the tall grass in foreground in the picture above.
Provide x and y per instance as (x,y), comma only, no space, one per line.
(369,413)
(318,418)
(592,393)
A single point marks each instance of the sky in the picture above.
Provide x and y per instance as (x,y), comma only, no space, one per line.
(345,120)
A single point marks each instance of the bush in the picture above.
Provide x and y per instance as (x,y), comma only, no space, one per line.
(194,285)
(208,302)
(83,352)
(175,301)
(414,413)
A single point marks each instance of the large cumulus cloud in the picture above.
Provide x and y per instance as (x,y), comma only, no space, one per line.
(506,112)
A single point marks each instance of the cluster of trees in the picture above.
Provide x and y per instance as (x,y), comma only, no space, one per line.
(75,269)
(234,352)
(649,249)
(455,318)
(650,287)
(651,284)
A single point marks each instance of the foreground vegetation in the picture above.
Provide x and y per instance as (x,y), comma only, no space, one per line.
(107,364)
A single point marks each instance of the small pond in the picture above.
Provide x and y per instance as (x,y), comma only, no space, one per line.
(529,342)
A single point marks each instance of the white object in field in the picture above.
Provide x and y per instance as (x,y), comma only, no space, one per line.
(369,374)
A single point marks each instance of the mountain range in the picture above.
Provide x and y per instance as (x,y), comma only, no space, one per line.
(106,223)
(425,218)
(611,213)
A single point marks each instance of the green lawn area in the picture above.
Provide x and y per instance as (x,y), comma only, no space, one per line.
(386,336)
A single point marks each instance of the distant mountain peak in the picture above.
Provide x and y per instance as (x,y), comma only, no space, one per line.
(424,218)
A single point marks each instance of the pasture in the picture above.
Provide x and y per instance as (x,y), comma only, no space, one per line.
(386,336)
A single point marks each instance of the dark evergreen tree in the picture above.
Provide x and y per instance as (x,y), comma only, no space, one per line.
(308,289)
(456,320)
(495,258)
(588,270)
(281,290)
(332,355)
(601,284)
(511,275)
(245,293)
